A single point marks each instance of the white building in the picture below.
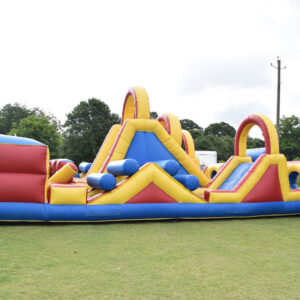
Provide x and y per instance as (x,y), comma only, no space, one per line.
(207,157)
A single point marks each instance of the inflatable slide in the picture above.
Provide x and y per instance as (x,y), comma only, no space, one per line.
(146,170)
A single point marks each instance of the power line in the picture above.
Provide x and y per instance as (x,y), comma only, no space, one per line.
(279,68)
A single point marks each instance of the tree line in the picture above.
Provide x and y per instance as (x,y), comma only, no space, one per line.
(86,126)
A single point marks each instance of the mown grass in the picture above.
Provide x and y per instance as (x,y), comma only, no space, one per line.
(221,259)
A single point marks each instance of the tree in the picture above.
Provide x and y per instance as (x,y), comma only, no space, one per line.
(12,113)
(220,129)
(289,132)
(204,143)
(194,129)
(196,133)
(41,129)
(86,128)
(190,125)
(224,145)
(254,143)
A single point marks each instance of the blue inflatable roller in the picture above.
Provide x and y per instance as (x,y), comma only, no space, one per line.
(84,167)
(123,167)
(102,181)
(191,182)
(169,165)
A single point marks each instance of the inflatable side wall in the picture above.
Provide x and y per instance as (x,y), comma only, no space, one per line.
(24,168)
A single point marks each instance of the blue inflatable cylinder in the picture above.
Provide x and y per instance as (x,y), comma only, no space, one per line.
(169,165)
(123,167)
(84,167)
(102,181)
(191,182)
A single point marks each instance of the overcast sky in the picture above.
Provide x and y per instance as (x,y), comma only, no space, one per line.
(208,61)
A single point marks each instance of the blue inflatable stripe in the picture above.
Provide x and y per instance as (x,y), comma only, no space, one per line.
(113,212)
(15,140)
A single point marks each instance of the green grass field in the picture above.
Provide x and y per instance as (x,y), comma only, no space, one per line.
(220,259)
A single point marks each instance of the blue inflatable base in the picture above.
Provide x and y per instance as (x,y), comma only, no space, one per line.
(123,212)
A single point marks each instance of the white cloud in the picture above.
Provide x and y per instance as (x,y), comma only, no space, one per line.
(203,60)
(246,72)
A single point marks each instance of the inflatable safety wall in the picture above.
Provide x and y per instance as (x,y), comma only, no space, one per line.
(24,165)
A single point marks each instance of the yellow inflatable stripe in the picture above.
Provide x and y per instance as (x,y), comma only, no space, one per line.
(136,104)
(190,143)
(104,150)
(272,133)
(172,125)
(243,139)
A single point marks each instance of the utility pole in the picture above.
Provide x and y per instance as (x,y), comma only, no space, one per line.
(279,68)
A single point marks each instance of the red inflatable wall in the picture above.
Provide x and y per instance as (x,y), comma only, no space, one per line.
(23,173)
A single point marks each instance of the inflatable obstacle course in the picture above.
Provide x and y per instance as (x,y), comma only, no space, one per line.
(141,172)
